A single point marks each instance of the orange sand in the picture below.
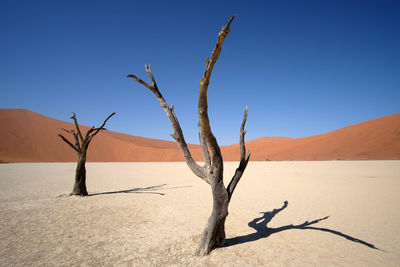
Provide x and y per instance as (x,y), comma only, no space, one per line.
(27,136)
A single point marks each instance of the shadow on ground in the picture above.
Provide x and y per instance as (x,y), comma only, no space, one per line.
(262,230)
(142,190)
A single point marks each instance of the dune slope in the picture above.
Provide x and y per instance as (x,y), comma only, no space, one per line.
(27,136)
(32,137)
(377,139)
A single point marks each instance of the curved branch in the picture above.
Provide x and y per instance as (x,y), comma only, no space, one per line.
(244,159)
(205,129)
(178,134)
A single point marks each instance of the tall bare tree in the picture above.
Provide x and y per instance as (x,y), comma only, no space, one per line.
(81,146)
(212,172)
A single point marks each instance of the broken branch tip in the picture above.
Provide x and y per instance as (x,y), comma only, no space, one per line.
(230,21)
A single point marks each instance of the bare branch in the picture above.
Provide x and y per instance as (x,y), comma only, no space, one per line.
(148,70)
(230,21)
(152,87)
(204,149)
(87,141)
(242,134)
(77,127)
(89,132)
(205,128)
(93,131)
(68,131)
(68,142)
(178,134)
(76,140)
(77,145)
(212,172)
(243,158)
(215,54)
(140,81)
(96,130)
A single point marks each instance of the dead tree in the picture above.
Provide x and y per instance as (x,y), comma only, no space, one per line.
(212,172)
(81,146)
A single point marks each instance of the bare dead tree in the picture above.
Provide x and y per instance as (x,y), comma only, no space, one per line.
(81,146)
(212,172)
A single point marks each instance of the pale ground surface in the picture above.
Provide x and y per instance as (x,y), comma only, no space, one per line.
(40,226)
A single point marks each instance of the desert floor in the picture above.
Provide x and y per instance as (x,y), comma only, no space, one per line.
(154,213)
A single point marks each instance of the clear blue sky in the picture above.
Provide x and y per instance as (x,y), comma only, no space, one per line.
(303,67)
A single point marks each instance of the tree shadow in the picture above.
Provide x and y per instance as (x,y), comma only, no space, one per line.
(263,231)
(142,190)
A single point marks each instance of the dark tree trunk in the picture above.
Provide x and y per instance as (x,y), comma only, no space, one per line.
(212,172)
(214,233)
(81,145)
(80,178)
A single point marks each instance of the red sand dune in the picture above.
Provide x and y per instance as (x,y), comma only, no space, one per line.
(26,136)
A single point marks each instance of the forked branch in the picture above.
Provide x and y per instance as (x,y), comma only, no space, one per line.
(77,146)
(82,145)
(212,172)
(90,136)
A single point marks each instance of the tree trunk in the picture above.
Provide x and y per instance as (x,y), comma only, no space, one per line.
(80,178)
(212,172)
(214,233)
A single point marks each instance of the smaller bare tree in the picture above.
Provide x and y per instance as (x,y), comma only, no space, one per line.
(81,146)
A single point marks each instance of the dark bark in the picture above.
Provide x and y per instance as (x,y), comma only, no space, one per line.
(81,147)
(212,172)
(214,233)
(244,158)
(80,178)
